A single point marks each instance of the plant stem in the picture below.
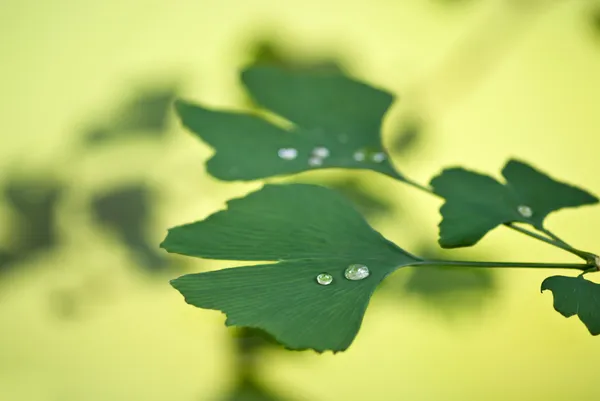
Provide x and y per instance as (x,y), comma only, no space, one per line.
(420,187)
(554,237)
(554,240)
(577,266)
(535,235)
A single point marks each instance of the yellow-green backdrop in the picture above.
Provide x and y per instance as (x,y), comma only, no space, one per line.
(495,79)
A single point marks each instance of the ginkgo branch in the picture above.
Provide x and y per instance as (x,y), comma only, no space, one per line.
(443,263)
(549,237)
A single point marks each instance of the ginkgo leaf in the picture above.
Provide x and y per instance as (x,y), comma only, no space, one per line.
(335,122)
(307,230)
(576,296)
(477,203)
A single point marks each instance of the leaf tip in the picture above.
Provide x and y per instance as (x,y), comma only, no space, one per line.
(250,72)
(180,106)
(165,242)
(545,286)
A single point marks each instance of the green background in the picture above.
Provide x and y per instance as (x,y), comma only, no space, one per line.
(492,80)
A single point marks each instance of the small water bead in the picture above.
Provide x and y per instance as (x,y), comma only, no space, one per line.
(324,279)
(525,211)
(315,161)
(378,157)
(321,152)
(359,155)
(356,272)
(287,153)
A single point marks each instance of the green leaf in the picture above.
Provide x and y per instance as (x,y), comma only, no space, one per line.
(248,389)
(307,230)
(327,110)
(477,203)
(576,296)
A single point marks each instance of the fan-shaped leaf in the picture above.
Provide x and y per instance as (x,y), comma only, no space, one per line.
(336,122)
(307,230)
(477,203)
(576,296)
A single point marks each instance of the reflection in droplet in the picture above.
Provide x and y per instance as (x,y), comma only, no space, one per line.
(287,153)
(324,279)
(356,272)
(321,152)
(359,155)
(525,211)
(378,157)
(315,161)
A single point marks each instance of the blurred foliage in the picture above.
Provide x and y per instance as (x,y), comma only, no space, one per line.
(450,292)
(249,389)
(32,203)
(595,20)
(369,203)
(127,212)
(64,303)
(145,114)
(445,284)
(250,343)
(409,133)
(250,340)
(266,51)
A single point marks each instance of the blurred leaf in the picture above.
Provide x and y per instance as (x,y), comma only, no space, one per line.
(6,259)
(595,20)
(250,340)
(307,230)
(437,283)
(145,115)
(249,390)
(99,134)
(337,124)
(576,296)
(267,52)
(409,135)
(450,291)
(148,111)
(250,343)
(127,212)
(369,203)
(477,203)
(33,202)
(64,304)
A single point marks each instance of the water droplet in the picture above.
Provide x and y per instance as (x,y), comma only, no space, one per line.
(525,211)
(287,153)
(360,155)
(315,161)
(324,279)
(321,152)
(356,272)
(378,157)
